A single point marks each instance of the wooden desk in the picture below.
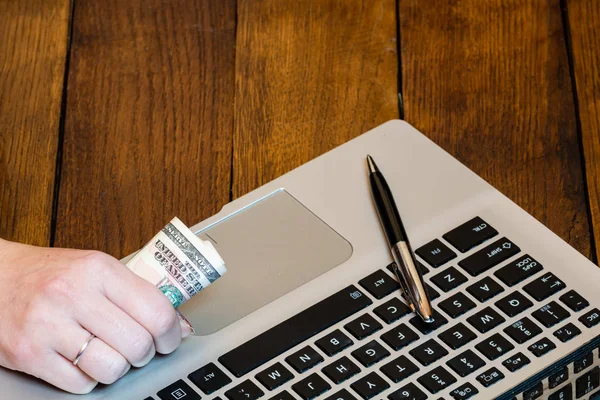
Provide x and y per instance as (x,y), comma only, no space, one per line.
(115,116)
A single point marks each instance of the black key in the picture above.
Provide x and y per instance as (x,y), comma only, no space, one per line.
(178,390)
(341,370)
(465,363)
(449,279)
(490,256)
(399,337)
(523,330)
(486,320)
(274,376)
(437,379)
(514,304)
(591,318)
(491,376)
(457,336)
(296,329)
(428,352)
(311,387)
(470,234)
(516,362)
(423,269)
(399,369)
(518,270)
(574,300)
(558,378)
(567,332)
(435,253)
(583,362)
(244,391)
(379,284)
(485,289)
(535,392)
(370,353)
(209,378)
(370,386)
(333,343)
(564,393)
(427,327)
(587,382)
(341,395)
(457,305)
(541,347)
(304,359)
(392,310)
(544,286)
(463,392)
(363,326)
(551,314)
(408,392)
(495,346)
(285,395)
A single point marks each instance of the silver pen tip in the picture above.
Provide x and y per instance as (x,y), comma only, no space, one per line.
(371,164)
(429,320)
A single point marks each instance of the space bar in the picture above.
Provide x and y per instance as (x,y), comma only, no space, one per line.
(294,330)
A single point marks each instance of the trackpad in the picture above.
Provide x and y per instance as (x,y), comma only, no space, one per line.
(270,248)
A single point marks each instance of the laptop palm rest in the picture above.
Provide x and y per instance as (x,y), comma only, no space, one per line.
(270,248)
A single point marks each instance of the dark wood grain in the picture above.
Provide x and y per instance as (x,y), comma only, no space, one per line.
(33,46)
(584,24)
(310,75)
(489,82)
(149,120)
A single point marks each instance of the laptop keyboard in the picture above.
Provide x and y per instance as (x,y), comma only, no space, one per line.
(383,340)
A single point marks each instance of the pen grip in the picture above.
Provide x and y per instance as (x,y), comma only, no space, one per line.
(386,208)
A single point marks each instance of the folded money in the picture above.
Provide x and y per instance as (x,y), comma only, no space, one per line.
(178,262)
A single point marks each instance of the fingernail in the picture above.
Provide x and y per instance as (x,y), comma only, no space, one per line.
(186,328)
(126,371)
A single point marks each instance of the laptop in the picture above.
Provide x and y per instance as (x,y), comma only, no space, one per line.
(310,309)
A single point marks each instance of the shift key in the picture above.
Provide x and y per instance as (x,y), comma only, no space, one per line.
(489,256)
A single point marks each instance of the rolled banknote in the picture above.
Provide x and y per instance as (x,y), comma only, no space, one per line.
(178,262)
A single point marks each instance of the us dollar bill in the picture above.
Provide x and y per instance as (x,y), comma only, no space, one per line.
(178,262)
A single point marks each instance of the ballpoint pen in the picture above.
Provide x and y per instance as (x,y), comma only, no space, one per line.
(405,268)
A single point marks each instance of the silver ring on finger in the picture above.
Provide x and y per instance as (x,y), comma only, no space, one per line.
(82,350)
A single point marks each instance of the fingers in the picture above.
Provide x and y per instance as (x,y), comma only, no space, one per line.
(60,372)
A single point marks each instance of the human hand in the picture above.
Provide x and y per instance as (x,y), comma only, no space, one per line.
(52,300)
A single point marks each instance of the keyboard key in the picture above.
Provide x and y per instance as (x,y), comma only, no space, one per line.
(304,359)
(485,289)
(564,393)
(341,370)
(574,301)
(523,330)
(516,362)
(587,382)
(567,332)
(370,353)
(486,320)
(514,304)
(427,327)
(315,319)
(541,347)
(470,234)
(463,392)
(591,318)
(399,337)
(370,386)
(489,256)
(392,310)
(341,395)
(435,253)
(244,391)
(583,362)
(518,270)
(428,352)
(399,369)
(457,305)
(535,392)
(209,378)
(437,379)
(495,346)
(178,390)
(465,363)
(457,336)
(274,376)
(285,395)
(544,286)
(311,387)
(379,284)
(333,343)
(449,279)
(363,326)
(408,392)
(559,377)
(491,376)
(423,269)
(551,314)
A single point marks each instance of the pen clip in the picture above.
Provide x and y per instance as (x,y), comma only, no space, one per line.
(403,287)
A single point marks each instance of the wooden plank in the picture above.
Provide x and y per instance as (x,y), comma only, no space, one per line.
(149,120)
(584,24)
(310,75)
(32,59)
(489,82)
